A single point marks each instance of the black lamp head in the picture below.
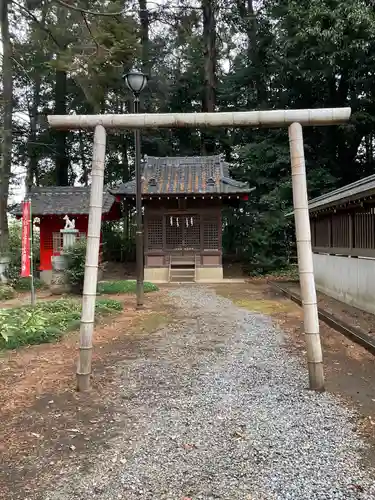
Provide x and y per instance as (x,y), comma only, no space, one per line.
(136,81)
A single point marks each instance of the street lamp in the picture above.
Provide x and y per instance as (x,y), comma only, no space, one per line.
(136,82)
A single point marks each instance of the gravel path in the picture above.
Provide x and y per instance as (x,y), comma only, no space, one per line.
(218,409)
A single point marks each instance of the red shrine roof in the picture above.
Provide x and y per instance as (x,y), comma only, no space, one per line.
(56,200)
(185,175)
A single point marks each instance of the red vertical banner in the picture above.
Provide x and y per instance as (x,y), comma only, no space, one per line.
(25,256)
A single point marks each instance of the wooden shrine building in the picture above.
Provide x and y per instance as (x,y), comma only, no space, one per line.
(50,205)
(182,199)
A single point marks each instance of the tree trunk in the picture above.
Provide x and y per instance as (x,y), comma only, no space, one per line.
(62,161)
(210,62)
(145,39)
(32,171)
(144,18)
(6,157)
(125,162)
(248,17)
(85,172)
(32,176)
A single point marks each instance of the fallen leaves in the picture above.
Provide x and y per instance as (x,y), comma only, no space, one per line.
(190,446)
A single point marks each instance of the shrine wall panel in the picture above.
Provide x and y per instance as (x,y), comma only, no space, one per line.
(154,260)
(211,260)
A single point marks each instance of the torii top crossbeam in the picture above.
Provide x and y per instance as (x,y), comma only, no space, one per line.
(274,118)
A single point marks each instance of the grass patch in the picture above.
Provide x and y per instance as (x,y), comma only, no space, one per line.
(268,307)
(124,286)
(6,292)
(46,322)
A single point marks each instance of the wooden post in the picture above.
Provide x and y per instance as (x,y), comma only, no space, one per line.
(92,260)
(139,217)
(33,298)
(330,232)
(305,259)
(351,231)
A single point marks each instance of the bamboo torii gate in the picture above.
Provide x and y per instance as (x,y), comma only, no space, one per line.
(294,119)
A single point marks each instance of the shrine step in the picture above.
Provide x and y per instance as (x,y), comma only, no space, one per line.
(183,264)
(182,259)
(182,275)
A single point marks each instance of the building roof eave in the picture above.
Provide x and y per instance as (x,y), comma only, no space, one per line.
(215,194)
(59,201)
(351,192)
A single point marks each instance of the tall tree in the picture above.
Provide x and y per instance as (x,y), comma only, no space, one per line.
(209,69)
(247,19)
(215,55)
(62,159)
(7,105)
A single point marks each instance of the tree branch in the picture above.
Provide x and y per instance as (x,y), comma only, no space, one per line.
(89,30)
(91,12)
(34,18)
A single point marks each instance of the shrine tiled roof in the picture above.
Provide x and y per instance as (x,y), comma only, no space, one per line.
(185,175)
(56,200)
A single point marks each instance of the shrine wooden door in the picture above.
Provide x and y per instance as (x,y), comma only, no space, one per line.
(183,234)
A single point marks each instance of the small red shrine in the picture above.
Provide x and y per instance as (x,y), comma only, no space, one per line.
(50,205)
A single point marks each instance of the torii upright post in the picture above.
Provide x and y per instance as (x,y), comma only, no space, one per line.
(305,258)
(92,260)
(295,118)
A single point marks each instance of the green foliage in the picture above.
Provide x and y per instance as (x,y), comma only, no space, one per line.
(15,246)
(124,286)
(46,322)
(108,305)
(76,257)
(6,292)
(24,284)
(259,227)
(284,55)
(118,241)
(287,273)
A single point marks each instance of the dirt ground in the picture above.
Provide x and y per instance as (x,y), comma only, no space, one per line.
(46,424)
(24,299)
(350,315)
(44,421)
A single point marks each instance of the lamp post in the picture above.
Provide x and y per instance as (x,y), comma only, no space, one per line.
(136,82)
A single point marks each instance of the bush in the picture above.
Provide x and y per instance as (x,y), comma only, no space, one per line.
(15,244)
(46,322)
(24,284)
(104,306)
(288,273)
(75,258)
(6,292)
(118,242)
(124,286)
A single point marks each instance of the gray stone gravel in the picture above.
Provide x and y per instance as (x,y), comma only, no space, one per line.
(218,409)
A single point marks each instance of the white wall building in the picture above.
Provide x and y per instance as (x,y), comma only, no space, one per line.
(343,240)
